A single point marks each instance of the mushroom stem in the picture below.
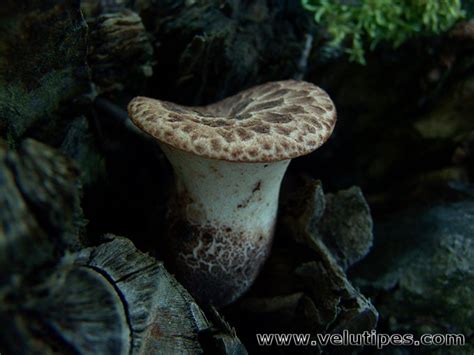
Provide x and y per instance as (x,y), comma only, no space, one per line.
(221,223)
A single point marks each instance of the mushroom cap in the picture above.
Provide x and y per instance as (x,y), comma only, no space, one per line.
(270,122)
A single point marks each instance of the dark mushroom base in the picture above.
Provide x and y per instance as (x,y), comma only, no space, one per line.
(216,265)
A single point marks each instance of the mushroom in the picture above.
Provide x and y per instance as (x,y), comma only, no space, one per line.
(229,159)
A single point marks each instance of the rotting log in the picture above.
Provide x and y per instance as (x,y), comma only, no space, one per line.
(56,295)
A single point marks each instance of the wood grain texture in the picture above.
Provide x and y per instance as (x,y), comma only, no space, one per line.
(58,296)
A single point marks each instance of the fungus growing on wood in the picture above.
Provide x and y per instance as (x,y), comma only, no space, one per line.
(229,159)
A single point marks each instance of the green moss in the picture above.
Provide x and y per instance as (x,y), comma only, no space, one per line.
(352,22)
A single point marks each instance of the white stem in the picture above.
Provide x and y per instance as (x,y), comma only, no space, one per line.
(222,222)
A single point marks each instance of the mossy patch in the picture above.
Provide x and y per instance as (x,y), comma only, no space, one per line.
(351,23)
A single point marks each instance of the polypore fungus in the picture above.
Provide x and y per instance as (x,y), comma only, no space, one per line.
(229,159)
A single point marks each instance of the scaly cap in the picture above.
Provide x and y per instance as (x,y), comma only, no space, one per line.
(270,122)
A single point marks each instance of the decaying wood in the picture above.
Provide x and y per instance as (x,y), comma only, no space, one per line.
(341,220)
(333,218)
(162,316)
(120,50)
(58,296)
(111,299)
(40,213)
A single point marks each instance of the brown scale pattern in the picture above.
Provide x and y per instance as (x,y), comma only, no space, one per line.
(217,264)
(270,122)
